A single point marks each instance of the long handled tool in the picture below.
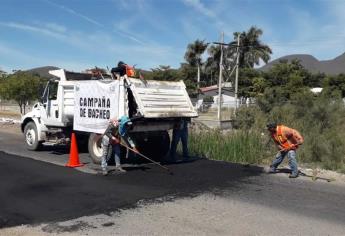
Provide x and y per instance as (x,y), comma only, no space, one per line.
(164,167)
(314,177)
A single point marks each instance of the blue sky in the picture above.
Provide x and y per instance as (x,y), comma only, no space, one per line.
(80,34)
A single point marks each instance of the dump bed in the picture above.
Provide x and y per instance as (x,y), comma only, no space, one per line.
(157,99)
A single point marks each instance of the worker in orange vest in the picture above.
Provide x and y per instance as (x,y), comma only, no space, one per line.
(287,140)
(123,69)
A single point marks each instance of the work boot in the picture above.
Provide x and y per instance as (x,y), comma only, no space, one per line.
(185,158)
(120,169)
(293,176)
(104,172)
(272,170)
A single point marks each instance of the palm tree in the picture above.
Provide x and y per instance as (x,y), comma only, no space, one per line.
(251,48)
(212,63)
(193,54)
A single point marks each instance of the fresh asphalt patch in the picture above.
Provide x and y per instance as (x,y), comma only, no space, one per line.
(35,192)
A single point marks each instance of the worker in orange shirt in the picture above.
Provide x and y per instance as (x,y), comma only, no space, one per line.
(287,140)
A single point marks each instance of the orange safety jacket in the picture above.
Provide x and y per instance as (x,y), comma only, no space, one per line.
(287,138)
(130,72)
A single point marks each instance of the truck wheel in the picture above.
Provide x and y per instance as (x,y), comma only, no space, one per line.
(31,136)
(155,145)
(95,147)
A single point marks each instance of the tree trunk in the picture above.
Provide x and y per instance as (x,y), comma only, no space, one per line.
(20,107)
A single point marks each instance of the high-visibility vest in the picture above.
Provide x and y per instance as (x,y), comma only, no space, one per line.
(280,138)
(130,72)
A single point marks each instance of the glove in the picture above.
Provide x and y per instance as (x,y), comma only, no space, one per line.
(135,150)
(114,140)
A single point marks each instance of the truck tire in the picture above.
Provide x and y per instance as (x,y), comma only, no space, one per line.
(31,137)
(154,145)
(95,147)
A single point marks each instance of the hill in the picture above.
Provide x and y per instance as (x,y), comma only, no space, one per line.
(43,71)
(329,67)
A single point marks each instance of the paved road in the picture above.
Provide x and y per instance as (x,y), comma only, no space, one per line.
(33,191)
(13,143)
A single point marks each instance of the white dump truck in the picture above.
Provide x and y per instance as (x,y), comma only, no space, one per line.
(80,103)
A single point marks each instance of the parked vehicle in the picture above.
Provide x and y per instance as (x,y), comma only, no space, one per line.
(83,104)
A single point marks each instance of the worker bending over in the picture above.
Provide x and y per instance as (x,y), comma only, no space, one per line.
(287,140)
(116,132)
(123,69)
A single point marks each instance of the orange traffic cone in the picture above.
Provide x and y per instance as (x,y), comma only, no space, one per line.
(74,155)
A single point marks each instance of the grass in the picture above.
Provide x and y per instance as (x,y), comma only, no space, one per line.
(10,114)
(320,121)
(236,146)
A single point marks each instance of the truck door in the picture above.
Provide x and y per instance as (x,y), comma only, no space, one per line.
(50,103)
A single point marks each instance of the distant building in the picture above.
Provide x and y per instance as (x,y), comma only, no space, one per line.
(228,96)
(316,90)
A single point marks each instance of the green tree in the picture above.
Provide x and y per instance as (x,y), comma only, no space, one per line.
(334,86)
(164,73)
(3,74)
(285,82)
(252,50)
(251,83)
(187,74)
(194,53)
(212,64)
(21,87)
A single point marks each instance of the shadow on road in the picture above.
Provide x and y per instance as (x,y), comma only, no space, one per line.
(35,192)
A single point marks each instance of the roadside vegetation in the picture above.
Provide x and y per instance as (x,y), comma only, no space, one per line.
(21,87)
(282,94)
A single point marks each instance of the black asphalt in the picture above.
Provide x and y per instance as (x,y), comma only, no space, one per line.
(35,192)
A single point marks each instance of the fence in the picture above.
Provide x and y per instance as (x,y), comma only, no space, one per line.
(11,108)
(209,110)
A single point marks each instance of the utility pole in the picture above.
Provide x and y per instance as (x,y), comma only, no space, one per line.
(198,77)
(198,83)
(220,78)
(237,62)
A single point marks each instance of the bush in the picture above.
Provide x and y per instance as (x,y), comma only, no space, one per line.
(320,120)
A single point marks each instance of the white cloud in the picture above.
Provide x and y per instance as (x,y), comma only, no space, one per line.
(123,31)
(219,20)
(30,28)
(75,13)
(55,27)
(199,6)
(100,45)
(74,38)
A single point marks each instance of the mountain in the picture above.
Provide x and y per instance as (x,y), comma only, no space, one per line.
(329,67)
(43,71)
